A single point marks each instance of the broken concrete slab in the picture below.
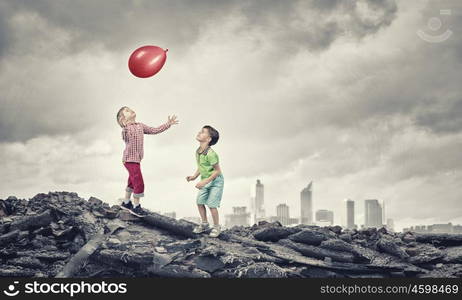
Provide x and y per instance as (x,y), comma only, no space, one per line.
(440,239)
(309,237)
(33,221)
(274,233)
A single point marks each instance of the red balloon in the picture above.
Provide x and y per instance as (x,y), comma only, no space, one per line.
(147,61)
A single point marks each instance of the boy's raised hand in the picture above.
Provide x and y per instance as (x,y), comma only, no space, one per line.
(172,120)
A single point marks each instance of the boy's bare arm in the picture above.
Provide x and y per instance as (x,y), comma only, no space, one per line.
(214,174)
(193,177)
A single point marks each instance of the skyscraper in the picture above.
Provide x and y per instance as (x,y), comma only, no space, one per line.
(306,205)
(350,211)
(282,212)
(372,213)
(259,201)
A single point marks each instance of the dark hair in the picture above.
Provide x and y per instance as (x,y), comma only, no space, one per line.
(213,134)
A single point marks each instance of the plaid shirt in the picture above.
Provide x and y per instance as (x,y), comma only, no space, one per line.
(133,135)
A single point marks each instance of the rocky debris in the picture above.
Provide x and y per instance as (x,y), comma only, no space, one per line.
(311,236)
(318,252)
(453,255)
(274,233)
(424,254)
(388,245)
(441,239)
(60,234)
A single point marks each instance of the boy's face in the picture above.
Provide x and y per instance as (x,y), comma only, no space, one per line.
(203,136)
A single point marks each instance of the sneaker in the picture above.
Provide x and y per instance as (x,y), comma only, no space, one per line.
(137,210)
(201,228)
(215,231)
(128,205)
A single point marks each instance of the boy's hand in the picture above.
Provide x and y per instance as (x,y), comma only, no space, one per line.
(172,120)
(190,178)
(201,184)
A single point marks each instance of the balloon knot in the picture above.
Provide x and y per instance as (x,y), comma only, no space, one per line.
(166,50)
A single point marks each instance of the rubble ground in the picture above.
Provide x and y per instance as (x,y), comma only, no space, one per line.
(60,234)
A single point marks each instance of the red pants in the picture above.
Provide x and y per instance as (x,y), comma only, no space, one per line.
(135,179)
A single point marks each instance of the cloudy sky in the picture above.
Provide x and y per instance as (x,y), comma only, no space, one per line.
(361,97)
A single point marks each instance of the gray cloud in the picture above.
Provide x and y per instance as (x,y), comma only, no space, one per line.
(122,24)
(177,24)
(442,117)
(315,25)
(40,33)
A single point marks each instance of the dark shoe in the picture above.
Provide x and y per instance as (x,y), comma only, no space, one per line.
(128,205)
(137,210)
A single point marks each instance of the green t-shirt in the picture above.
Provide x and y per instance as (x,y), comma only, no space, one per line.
(206,161)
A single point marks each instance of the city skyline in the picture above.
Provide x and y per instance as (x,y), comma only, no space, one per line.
(374,212)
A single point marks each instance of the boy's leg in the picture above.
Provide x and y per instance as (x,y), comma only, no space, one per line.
(201,200)
(214,198)
(214,212)
(202,212)
(138,184)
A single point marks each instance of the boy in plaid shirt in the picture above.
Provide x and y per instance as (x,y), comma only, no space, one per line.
(133,135)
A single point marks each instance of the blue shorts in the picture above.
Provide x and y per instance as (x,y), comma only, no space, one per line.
(211,193)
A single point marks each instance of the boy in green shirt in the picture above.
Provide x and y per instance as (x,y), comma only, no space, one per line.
(212,180)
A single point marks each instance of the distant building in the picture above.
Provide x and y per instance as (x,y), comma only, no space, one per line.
(257,202)
(390,224)
(306,205)
(435,228)
(239,217)
(440,228)
(350,211)
(290,221)
(324,217)
(282,212)
(373,213)
(293,221)
(170,214)
(457,229)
